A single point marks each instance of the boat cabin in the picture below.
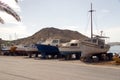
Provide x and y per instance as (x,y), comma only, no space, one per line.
(53,42)
(97,41)
(72,43)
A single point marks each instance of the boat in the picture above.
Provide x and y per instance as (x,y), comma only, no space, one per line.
(94,45)
(85,48)
(30,48)
(72,46)
(5,49)
(49,47)
(22,49)
(70,49)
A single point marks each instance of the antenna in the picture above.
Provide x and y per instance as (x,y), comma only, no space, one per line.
(15,36)
(10,37)
(101,33)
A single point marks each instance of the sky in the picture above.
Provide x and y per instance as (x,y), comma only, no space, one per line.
(63,14)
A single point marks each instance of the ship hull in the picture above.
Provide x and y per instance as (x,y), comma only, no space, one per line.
(64,50)
(92,49)
(47,49)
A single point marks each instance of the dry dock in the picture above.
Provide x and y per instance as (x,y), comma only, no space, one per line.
(21,68)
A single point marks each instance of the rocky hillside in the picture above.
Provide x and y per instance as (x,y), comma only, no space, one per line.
(54,33)
(114,43)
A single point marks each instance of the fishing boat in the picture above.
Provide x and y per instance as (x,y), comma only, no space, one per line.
(49,47)
(94,45)
(69,49)
(5,49)
(31,48)
(22,49)
(72,46)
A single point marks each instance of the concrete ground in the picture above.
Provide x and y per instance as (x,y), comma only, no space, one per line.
(21,68)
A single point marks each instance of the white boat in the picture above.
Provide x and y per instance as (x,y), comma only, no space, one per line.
(52,42)
(5,49)
(72,46)
(26,48)
(94,45)
(70,50)
(20,48)
(30,48)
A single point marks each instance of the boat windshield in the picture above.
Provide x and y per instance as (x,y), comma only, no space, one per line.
(74,44)
(55,41)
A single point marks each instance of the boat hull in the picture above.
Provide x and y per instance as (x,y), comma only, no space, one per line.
(92,49)
(67,50)
(47,49)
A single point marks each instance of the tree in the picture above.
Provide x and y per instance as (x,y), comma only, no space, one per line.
(4,7)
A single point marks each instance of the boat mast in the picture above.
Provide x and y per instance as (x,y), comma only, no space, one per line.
(91,11)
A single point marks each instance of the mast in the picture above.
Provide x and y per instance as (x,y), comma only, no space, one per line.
(91,11)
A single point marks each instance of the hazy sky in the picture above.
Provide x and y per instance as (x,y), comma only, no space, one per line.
(62,14)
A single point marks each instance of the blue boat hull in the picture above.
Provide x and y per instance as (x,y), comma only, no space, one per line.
(47,50)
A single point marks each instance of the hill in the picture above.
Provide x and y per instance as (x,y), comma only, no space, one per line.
(54,33)
(114,43)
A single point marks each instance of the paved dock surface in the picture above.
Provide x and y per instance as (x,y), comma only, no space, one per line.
(21,68)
